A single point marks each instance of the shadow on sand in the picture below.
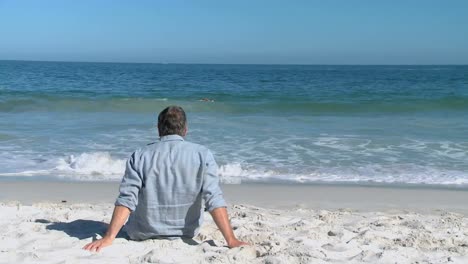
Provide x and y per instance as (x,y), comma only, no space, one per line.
(83,229)
(80,229)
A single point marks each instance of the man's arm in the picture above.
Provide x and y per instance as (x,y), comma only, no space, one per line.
(220,216)
(215,203)
(124,205)
(119,217)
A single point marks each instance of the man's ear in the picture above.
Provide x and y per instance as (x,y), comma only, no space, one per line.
(185,130)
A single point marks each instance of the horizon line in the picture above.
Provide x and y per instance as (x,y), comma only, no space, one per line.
(204,63)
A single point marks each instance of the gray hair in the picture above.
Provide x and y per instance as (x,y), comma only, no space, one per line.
(172,121)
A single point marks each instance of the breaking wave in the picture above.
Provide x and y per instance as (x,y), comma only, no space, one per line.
(102,166)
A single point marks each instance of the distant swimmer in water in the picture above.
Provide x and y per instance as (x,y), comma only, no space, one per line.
(206,100)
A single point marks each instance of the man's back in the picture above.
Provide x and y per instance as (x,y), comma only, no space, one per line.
(164,185)
(163,188)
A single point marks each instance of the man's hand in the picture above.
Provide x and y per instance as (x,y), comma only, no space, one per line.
(220,217)
(236,243)
(97,245)
(119,217)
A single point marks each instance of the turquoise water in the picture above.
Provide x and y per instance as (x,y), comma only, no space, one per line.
(360,124)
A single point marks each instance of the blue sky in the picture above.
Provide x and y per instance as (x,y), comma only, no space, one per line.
(264,32)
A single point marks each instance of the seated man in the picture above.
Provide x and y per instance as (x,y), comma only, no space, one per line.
(163,188)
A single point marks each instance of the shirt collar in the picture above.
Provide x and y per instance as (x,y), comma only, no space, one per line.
(171,138)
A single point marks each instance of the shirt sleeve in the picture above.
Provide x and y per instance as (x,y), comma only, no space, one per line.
(211,190)
(130,186)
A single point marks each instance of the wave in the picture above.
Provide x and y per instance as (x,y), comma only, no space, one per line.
(235,174)
(102,166)
(274,105)
(94,166)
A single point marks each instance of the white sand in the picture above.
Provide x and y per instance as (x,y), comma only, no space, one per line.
(295,224)
(55,233)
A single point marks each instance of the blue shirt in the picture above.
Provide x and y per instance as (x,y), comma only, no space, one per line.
(164,186)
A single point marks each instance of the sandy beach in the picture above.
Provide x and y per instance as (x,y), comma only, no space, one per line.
(337,132)
(284,224)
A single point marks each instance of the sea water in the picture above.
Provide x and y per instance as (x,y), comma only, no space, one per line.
(267,123)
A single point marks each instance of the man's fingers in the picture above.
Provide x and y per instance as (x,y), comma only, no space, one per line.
(238,244)
(90,247)
(87,246)
(93,247)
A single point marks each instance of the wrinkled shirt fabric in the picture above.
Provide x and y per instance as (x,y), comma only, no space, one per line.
(165,185)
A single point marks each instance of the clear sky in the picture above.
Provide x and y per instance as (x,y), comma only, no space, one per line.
(251,31)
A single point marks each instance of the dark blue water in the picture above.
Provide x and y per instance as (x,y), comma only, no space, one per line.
(80,121)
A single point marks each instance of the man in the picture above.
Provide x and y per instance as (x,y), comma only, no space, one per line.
(164,186)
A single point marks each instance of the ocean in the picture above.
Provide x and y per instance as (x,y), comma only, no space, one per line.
(264,123)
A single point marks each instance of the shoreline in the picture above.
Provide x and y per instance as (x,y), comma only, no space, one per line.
(273,196)
(391,185)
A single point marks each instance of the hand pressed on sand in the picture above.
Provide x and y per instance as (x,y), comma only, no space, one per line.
(97,245)
(119,217)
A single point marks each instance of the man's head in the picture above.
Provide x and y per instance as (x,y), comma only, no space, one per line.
(172,121)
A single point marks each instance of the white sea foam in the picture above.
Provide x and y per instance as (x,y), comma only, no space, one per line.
(100,165)
(104,166)
(85,166)
(403,174)
(233,173)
